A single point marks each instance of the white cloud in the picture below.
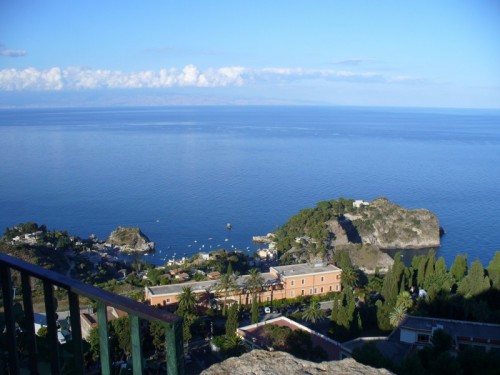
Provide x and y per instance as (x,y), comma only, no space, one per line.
(12,52)
(189,76)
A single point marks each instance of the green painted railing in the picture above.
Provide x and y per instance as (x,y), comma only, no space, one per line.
(135,310)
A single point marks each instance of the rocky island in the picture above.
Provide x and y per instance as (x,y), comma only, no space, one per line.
(359,227)
(389,226)
(129,239)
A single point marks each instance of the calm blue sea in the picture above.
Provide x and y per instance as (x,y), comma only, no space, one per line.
(182,173)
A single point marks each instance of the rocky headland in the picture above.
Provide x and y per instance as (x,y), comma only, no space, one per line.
(389,226)
(129,239)
(361,228)
(260,362)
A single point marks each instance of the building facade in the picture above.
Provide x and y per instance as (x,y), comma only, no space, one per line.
(279,283)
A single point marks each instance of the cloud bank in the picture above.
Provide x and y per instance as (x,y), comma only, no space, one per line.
(77,78)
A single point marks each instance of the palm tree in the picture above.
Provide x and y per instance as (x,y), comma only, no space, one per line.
(349,277)
(187,301)
(205,297)
(254,282)
(313,313)
(397,315)
(225,284)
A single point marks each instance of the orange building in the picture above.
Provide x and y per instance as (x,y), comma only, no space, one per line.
(280,282)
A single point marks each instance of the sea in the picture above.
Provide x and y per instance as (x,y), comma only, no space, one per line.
(181,174)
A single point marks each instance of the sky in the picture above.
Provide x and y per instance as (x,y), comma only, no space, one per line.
(362,53)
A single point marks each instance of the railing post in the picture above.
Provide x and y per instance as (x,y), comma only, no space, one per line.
(136,344)
(102,326)
(10,322)
(174,348)
(29,321)
(50,313)
(76,332)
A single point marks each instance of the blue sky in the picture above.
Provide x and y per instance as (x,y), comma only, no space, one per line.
(381,53)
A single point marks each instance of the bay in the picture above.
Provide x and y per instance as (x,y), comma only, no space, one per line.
(182,173)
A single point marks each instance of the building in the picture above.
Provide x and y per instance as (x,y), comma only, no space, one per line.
(280,282)
(417,330)
(360,203)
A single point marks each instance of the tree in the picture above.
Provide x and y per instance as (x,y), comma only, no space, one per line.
(121,328)
(494,270)
(370,355)
(349,278)
(459,267)
(313,313)
(205,297)
(93,340)
(232,320)
(187,301)
(157,331)
(154,275)
(430,263)
(397,315)
(254,284)
(226,284)
(440,266)
(475,282)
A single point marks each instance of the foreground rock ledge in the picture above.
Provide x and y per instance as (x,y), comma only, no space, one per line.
(260,362)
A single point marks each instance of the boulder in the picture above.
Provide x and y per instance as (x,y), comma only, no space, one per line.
(260,362)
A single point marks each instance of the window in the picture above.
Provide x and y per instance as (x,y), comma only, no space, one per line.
(422,338)
(310,290)
(268,299)
(338,276)
(292,293)
(337,287)
(302,291)
(330,288)
(303,281)
(168,300)
(322,278)
(292,282)
(315,290)
(321,290)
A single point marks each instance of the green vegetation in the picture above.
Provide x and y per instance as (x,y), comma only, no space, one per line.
(310,222)
(436,359)
(295,342)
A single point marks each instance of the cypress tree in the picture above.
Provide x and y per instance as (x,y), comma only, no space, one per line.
(429,266)
(459,267)
(255,311)
(232,320)
(440,266)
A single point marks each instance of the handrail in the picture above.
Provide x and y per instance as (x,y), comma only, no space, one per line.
(75,288)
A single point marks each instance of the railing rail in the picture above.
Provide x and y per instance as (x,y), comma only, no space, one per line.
(75,288)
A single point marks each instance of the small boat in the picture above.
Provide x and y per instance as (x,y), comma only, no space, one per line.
(228,226)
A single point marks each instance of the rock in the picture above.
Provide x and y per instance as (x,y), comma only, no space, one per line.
(130,240)
(367,257)
(390,226)
(260,362)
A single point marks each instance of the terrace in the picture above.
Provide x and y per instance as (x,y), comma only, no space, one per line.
(29,360)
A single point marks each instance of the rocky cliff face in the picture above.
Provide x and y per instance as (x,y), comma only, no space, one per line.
(389,226)
(130,240)
(259,362)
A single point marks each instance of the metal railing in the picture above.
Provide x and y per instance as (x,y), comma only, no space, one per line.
(135,310)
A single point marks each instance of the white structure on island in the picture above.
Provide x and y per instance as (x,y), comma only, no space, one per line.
(359,203)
